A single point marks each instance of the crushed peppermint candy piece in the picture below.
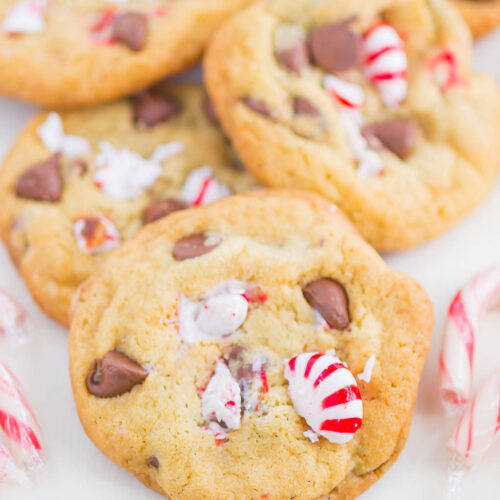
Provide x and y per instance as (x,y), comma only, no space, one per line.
(95,234)
(324,392)
(221,399)
(26,17)
(202,187)
(220,313)
(385,63)
(348,95)
(312,436)
(123,174)
(51,133)
(444,68)
(366,374)
(12,317)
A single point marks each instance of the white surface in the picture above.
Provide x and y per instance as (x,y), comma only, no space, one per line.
(76,470)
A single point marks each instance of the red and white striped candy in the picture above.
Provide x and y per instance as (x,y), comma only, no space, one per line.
(385,63)
(20,434)
(103,238)
(444,68)
(325,393)
(480,423)
(481,293)
(12,316)
(202,187)
(348,95)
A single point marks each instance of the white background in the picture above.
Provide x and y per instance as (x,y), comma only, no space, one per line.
(75,469)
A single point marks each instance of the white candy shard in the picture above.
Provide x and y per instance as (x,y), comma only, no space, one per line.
(103,237)
(26,17)
(202,188)
(324,392)
(51,133)
(347,94)
(312,436)
(366,374)
(221,399)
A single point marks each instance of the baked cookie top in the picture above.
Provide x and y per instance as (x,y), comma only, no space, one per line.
(370,103)
(76,52)
(78,183)
(482,16)
(227,347)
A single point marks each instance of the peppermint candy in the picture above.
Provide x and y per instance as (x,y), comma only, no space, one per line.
(350,98)
(12,317)
(324,392)
(20,435)
(366,374)
(202,187)
(221,400)
(385,63)
(217,315)
(51,133)
(444,68)
(95,234)
(26,17)
(123,174)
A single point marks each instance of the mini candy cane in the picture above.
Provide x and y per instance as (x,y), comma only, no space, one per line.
(385,63)
(20,434)
(12,317)
(481,293)
(324,392)
(479,425)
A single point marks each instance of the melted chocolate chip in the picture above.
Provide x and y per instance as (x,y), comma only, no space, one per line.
(151,108)
(210,111)
(41,182)
(330,299)
(192,246)
(335,47)
(160,209)
(113,375)
(259,107)
(295,58)
(396,135)
(154,462)
(302,106)
(130,28)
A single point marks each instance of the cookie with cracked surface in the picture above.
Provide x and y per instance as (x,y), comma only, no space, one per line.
(201,346)
(368,103)
(78,52)
(77,183)
(482,16)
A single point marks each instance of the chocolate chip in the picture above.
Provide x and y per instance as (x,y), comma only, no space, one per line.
(114,375)
(90,227)
(151,108)
(130,28)
(294,58)
(154,462)
(234,352)
(396,135)
(41,182)
(259,107)
(160,209)
(210,111)
(329,298)
(302,106)
(335,47)
(192,246)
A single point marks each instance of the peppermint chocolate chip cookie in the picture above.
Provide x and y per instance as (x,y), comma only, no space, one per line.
(77,52)
(369,103)
(228,347)
(78,183)
(482,16)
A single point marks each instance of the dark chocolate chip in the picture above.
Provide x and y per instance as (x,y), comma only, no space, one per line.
(192,246)
(41,182)
(114,375)
(151,108)
(154,462)
(259,107)
(335,47)
(302,106)
(396,135)
(210,111)
(130,28)
(160,209)
(295,58)
(330,299)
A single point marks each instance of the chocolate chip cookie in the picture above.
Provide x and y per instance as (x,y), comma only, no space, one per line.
(227,347)
(482,16)
(371,104)
(78,183)
(79,52)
